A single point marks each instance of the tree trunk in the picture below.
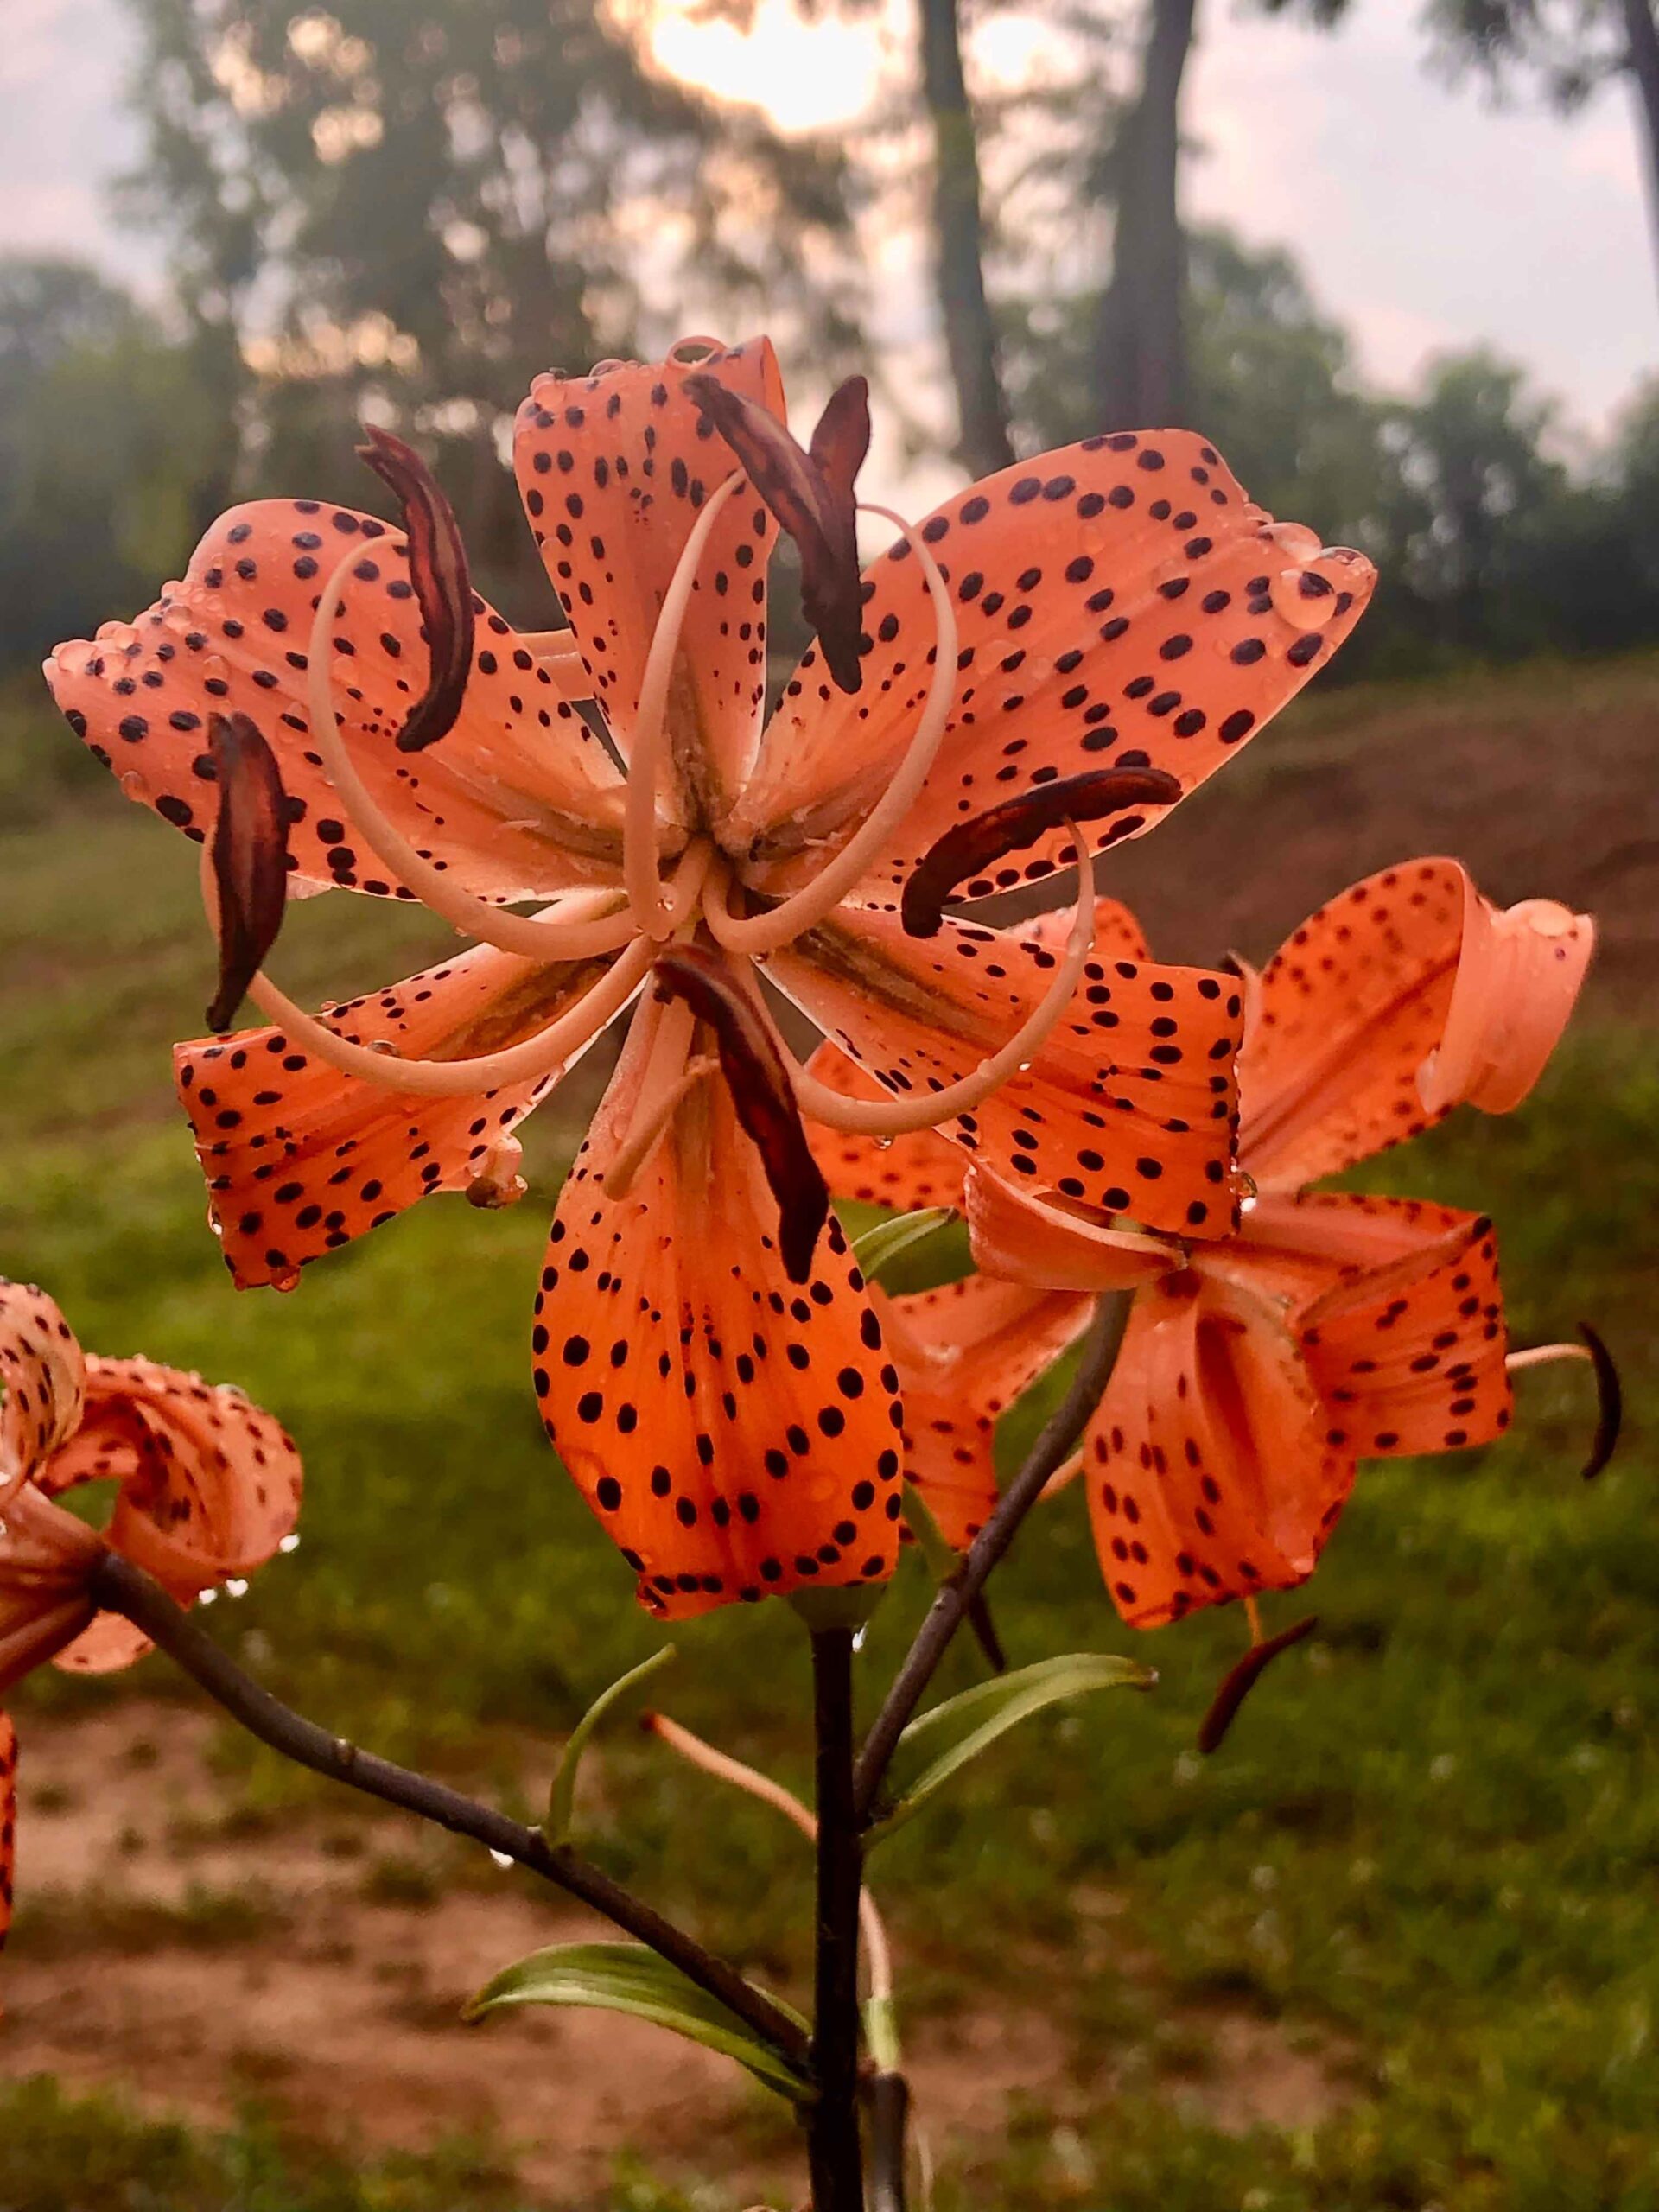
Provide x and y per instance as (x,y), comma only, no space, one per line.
(1642,36)
(1141,372)
(959,244)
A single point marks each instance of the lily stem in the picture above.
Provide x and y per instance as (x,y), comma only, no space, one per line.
(833,2147)
(954,1600)
(120,1587)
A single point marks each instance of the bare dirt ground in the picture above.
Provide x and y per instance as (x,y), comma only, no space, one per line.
(166,1950)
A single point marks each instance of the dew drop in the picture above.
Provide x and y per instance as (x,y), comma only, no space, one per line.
(207,1597)
(290,1281)
(236,1588)
(502,1858)
(289,1544)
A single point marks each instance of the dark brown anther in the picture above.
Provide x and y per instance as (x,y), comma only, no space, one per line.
(762,1093)
(975,846)
(250,858)
(812,495)
(437,568)
(1610,1400)
(1237,1686)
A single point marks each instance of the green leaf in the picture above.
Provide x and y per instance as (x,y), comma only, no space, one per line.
(990,1710)
(879,1246)
(561,1799)
(628,1978)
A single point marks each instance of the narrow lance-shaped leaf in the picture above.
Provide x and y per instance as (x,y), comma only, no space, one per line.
(989,1712)
(560,1804)
(250,858)
(437,568)
(762,1093)
(628,1978)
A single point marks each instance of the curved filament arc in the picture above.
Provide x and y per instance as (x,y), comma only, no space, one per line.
(507,932)
(899,1117)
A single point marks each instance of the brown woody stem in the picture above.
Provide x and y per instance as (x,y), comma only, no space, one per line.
(956,1597)
(120,1587)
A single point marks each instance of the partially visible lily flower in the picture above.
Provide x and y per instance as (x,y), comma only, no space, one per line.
(1257,1369)
(1080,640)
(207,1487)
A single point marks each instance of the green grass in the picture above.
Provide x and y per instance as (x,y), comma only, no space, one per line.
(1431,1845)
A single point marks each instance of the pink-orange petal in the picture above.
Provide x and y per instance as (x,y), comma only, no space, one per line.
(1208,1472)
(1344,1016)
(42,1382)
(8,1821)
(210,1484)
(1120,601)
(614,468)
(964,1353)
(300,1158)
(1127,1107)
(736,1433)
(519,800)
(1409,1357)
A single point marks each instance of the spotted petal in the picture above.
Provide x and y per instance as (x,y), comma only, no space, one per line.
(8,1820)
(1209,1474)
(735,1432)
(1393,1002)
(1119,601)
(613,469)
(964,1353)
(300,1158)
(1409,1355)
(209,1485)
(519,800)
(46,1556)
(42,1377)
(1127,1108)
(906,1173)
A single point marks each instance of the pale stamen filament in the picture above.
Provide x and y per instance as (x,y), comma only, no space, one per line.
(508,933)
(650,723)
(759,934)
(668,1077)
(898,1116)
(547,1053)
(1544,1356)
(724,1767)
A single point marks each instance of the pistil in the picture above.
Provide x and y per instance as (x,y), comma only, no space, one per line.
(759,934)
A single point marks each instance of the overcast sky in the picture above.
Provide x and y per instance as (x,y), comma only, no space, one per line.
(1423,218)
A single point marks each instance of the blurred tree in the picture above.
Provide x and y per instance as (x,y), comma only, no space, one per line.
(103,436)
(1272,381)
(970,338)
(1570,46)
(1140,369)
(415,207)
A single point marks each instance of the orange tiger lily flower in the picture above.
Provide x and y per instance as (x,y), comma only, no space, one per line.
(1256,1370)
(1092,634)
(207,1487)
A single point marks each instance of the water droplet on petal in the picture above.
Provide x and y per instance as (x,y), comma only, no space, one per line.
(1295,540)
(286,1281)
(236,1588)
(859,1635)
(1302,598)
(884,1144)
(207,1597)
(135,785)
(289,1544)
(502,1858)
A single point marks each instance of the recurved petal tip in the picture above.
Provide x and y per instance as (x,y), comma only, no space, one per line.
(1519,974)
